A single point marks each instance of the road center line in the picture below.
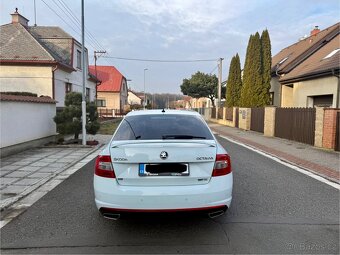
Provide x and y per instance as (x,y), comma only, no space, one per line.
(296,168)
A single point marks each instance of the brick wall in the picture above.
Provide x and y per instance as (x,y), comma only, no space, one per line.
(329,128)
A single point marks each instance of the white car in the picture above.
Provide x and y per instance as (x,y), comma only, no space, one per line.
(163,161)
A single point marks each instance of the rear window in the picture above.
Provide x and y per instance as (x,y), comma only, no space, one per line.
(154,127)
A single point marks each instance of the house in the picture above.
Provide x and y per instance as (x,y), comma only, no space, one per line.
(306,74)
(134,98)
(112,93)
(41,59)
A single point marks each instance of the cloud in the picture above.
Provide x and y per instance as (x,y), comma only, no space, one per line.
(186,15)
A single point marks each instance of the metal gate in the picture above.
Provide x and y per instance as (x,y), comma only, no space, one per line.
(236,117)
(296,124)
(220,113)
(257,119)
(337,132)
(213,113)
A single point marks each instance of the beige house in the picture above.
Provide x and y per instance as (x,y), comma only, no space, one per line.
(306,74)
(41,59)
(134,98)
(112,93)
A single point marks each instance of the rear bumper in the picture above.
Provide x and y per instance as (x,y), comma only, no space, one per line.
(216,194)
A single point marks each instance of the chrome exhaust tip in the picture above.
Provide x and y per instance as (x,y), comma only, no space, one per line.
(111,216)
(216,214)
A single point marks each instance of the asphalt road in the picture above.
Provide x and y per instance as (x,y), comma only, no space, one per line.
(274,210)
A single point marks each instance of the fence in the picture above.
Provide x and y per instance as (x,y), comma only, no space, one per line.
(257,119)
(110,113)
(229,113)
(337,132)
(213,113)
(296,124)
(220,113)
(236,117)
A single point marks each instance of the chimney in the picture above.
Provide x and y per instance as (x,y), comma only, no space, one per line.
(18,18)
(315,31)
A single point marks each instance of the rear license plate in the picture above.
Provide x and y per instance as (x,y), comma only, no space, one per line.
(164,169)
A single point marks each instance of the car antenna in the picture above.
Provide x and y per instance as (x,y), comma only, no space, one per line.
(163,110)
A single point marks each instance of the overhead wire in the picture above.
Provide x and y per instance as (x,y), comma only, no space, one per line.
(76,19)
(93,42)
(161,60)
(214,69)
(56,13)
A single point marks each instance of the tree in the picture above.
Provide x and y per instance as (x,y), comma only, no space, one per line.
(234,82)
(69,119)
(92,124)
(252,74)
(266,68)
(201,85)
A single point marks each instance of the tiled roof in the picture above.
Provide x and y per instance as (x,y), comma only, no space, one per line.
(35,44)
(16,43)
(295,53)
(317,63)
(56,41)
(49,32)
(27,99)
(137,94)
(110,77)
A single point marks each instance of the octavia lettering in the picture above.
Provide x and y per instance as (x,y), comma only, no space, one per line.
(204,158)
(119,159)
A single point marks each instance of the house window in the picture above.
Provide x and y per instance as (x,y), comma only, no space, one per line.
(87,94)
(101,102)
(332,53)
(79,59)
(68,87)
(322,101)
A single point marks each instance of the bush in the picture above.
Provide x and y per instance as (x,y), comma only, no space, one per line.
(69,120)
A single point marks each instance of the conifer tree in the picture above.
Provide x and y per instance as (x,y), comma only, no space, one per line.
(252,74)
(246,93)
(266,68)
(257,78)
(234,83)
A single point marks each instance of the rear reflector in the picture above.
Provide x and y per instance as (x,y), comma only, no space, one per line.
(222,165)
(104,167)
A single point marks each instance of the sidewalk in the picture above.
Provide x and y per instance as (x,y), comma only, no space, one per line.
(319,161)
(23,173)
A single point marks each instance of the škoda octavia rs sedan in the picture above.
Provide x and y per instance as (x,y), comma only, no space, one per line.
(163,161)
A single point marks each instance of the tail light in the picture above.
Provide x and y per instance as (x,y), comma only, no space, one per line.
(104,167)
(222,165)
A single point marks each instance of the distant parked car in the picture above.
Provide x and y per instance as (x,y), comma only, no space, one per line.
(163,161)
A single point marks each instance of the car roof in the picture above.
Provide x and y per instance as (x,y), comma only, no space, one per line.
(162,111)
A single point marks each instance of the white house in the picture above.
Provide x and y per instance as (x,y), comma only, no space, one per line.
(41,59)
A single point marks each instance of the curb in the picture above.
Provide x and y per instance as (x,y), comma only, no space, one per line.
(282,159)
(10,201)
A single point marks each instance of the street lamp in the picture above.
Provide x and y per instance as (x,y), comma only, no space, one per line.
(145,69)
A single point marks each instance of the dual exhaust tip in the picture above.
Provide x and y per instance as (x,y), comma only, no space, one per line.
(116,216)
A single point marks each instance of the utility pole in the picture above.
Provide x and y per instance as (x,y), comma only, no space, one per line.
(101,52)
(145,101)
(83,103)
(35,14)
(219,81)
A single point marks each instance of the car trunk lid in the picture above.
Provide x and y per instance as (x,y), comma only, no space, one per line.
(165,158)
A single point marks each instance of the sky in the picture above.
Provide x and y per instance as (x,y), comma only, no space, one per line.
(176,30)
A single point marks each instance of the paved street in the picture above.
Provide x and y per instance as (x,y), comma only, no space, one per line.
(275,210)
